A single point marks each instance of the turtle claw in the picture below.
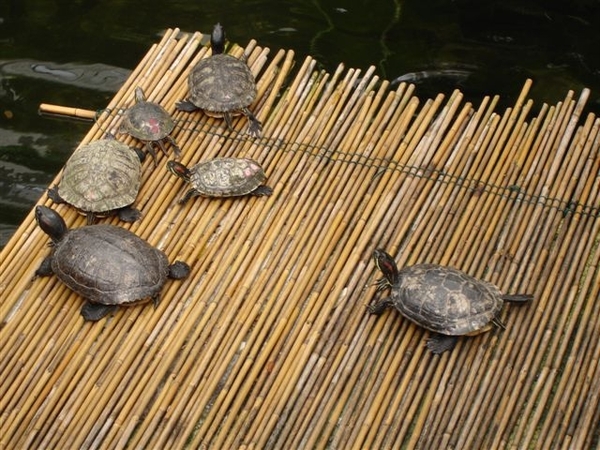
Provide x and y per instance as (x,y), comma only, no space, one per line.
(382,284)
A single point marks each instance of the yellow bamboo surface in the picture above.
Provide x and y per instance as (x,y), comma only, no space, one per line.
(268,343)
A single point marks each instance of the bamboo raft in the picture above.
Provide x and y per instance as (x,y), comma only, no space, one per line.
(268,343)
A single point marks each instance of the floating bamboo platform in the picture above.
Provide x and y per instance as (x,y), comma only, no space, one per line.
(268,343)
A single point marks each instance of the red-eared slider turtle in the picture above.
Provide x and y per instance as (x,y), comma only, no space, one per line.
(222,85)
(150,123)
(101,178)
(444,300)
(107,265)
(222,177)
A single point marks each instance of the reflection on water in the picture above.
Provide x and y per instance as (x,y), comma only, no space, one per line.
(79,53)
(100,77)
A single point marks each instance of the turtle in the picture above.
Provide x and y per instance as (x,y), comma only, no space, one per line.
(101,178)
(222,177)
(222,85)
(444,300)
(108,265)
(150,123)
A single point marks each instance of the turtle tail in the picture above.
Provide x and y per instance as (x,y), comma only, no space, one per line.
(517,298)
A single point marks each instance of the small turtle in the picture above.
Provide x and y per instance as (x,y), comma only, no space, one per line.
(107,265)
(444,300)
(150,123)
(222,85)
(101,178)
(222,177)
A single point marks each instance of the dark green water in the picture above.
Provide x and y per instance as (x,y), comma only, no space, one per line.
(78,53)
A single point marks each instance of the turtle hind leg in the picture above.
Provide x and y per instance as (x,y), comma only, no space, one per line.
(440,343)
(179,270)
(497,322)
(90,217)
(93,312)
(254,125)
(186,105)
(517,298)
(45,268)
(262,190)
(128,214)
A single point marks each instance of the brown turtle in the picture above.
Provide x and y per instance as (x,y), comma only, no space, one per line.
(101,178)
(444,300)
(107,265)
(222,177)
(222,85)
(150,123)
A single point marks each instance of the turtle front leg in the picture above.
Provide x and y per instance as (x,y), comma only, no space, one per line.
(383,283)
(54,195)
(254,125)
(150,150)
(189,194)
(377,308)
(45,268)
(228,120)
(176,148)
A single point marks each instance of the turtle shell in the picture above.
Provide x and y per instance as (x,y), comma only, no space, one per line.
(101,176)
(221,83)
(147,121)
(225,177)
(109,265)
(446,300)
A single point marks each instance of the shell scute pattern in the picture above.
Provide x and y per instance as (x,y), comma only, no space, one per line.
(101,176)
(228,176)
(85,261)
(148,121)
(107,265)
(222,83)
(443,299)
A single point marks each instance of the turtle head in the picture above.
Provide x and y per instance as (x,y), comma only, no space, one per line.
(179,170)
(50,222)
(217,39)
(387,265)
(139,95)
